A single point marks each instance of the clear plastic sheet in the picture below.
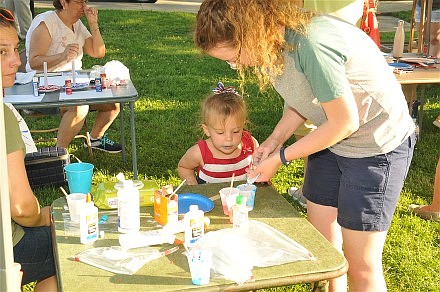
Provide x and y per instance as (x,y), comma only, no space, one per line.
(118,260)
(235,254)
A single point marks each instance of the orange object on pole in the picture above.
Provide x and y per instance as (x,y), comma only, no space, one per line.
(369,22)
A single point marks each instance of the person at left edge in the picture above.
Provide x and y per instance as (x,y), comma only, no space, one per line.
(30,223)
(58,37)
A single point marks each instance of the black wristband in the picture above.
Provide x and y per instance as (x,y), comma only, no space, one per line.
(283,157)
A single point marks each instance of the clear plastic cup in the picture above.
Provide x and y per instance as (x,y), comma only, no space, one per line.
(228,196)
(199,262)
(248,191)
(76,203)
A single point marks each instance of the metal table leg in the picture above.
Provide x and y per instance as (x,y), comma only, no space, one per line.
(133,141)
(121,119)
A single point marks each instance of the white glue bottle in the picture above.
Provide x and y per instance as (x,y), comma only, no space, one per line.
(128,206)
(194,222)
(399,40)
(88,222)
(240,214)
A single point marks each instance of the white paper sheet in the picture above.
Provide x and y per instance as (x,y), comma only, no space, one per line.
(23,78)
(106,93)
(22,98)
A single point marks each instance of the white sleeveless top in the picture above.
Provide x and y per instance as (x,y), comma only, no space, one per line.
(61,36)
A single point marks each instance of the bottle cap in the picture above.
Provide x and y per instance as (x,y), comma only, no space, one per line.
(240,200)
(136,184)
(127,183)
(193,208)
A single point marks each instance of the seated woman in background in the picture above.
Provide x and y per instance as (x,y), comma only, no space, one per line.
(58,38)
(31,235)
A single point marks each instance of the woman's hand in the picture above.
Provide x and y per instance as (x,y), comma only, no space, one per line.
(265,149)
(91,16)
(266,168)
(71,52)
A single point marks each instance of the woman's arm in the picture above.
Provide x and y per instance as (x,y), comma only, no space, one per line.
(25,208)
(342,121)
(39,45)
(288,123)
(93,46)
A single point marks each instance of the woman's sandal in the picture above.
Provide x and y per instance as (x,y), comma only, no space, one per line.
(428,215)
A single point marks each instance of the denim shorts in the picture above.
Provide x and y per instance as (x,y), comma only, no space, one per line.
(364,190)
(35,255)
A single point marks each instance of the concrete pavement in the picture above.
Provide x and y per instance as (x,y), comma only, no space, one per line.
(191,6)
(386,23)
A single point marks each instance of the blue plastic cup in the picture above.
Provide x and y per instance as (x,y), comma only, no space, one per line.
(79,177)
(248,191)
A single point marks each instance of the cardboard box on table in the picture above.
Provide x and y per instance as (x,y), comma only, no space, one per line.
(165,206)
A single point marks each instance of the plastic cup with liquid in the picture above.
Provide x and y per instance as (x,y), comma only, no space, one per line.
(228,195)
(248,191)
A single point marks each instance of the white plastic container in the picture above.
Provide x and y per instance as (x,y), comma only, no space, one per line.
(240,214)
(128,208)
(194,225)
(35,86)
(88,222)
(399,40)
(145,238)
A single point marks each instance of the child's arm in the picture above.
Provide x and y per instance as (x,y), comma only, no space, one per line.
(188,163)
(256,144)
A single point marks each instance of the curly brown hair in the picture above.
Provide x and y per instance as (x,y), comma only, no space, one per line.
(254,26)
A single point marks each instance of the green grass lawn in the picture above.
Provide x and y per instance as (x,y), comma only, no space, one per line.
(172,78)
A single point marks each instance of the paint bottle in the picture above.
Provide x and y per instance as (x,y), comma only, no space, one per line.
(68,86)
(399,40)
(35,85)
(194,221)
(88,222)
(240,214)
(104,80)
(98,84)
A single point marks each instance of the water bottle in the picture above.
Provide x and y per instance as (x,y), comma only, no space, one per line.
(399,40)
(194,221)
(128,206)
